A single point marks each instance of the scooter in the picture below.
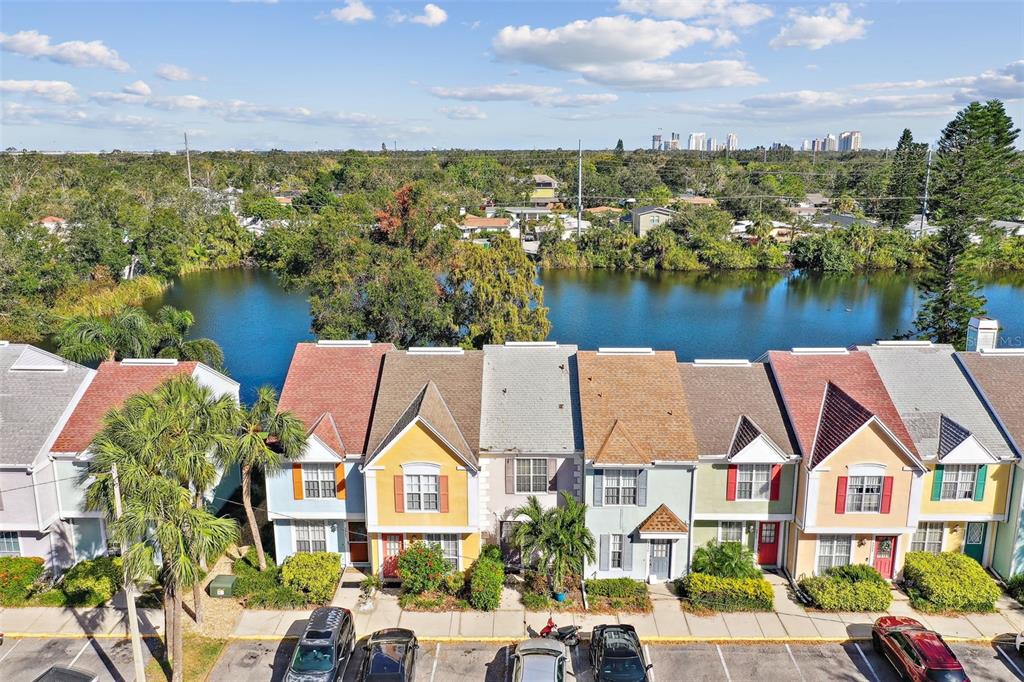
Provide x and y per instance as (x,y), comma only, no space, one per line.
(567,634)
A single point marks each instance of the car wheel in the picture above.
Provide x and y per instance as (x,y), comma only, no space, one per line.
(876,642)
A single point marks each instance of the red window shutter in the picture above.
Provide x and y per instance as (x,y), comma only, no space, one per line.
(841,495)
(886,494)
(443,496)
(776,482)
(399,494)
(730,483)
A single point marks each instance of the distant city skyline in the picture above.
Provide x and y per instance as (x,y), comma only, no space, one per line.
(359,73)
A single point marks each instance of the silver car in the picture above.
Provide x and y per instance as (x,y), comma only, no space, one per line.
(539,660)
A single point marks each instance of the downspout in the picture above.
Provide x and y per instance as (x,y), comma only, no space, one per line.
(693,504)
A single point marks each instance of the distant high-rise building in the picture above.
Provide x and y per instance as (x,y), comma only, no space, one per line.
(656,142)
(849,141)
(806,146)
(831,144)
(711,145)
(697,142)
(673,143)
(732,142)
(817,145)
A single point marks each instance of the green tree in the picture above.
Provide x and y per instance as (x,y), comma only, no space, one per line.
(173,326)
(905,181)
(129,333)
(619,149)
(725,560)
(558,537)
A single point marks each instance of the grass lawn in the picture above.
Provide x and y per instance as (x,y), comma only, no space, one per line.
(201,653)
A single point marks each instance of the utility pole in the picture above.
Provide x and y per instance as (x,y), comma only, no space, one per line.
(129,591)
(579,192)
(927,179)
(188,162)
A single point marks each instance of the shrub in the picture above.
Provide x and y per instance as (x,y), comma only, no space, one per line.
(421,567)
(536,582)
(17,576)
(492,552)
(1015,586)
(949,581)
(486,578)
(93,582)
(316,575)
(371,584)
(727,594)
(725,560)
(618,593)
(834,593)
(453,583)
(277,597)
(263,589)
(536,602)
(855,573)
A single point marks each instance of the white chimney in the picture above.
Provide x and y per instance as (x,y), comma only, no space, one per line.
(982,334)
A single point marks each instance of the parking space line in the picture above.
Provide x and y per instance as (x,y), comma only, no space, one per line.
(8,652)
(507,674)
(433,668)
(79,654)
(647,654)
(871,668)
(721,657)
(795,666)
(1009,660)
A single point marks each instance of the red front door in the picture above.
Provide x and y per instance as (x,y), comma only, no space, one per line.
(768,543)
(392,548)
(885,550)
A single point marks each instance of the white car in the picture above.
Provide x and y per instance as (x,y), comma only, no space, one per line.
(539,660)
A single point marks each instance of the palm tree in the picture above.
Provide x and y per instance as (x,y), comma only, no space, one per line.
(265,439)
(129,333)
(529,533)
(173,325)
(558,537)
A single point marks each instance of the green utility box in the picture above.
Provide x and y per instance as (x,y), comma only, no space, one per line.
(222,586)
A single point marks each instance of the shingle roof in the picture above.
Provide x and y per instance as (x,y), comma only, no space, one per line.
(32,401)
(663,520)
(720,396)
(431,408)
(113,384)
(530,400)
(340,381)
(803,378)
(457,377)
(926,384)
(746,433)
(841,416)
(634,409)
(1000,378)
(951,435)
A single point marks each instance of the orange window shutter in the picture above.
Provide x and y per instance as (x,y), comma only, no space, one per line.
(443,490)
(399,494)
(339,480)
(297,491)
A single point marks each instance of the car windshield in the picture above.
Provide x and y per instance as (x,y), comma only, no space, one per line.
(623,670)
(386,660)
(312,658)
(946,676)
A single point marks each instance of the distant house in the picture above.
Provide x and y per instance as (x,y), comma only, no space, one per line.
(694,200)
(472,225)
(602,210)
(53,223)
(571,226)
(832,220)
(817,200)
(1012,228)
(545,190)
(919,226)
(646,218)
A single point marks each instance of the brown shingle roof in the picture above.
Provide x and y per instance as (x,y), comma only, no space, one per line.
(457,379)
(1000,379)
(841,416)
(634,409)
(663,520)
(340,381)
(477,221)
(430,407)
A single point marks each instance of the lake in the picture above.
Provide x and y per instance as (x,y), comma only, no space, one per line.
(698,315)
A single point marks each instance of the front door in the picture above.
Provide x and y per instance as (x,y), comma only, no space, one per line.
(661,558)
(974,541)
(509,550)
(357,543)
(768,543)
(885,550)
(392,548)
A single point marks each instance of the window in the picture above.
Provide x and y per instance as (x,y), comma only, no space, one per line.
(864,494)
(620,486)
(753,481)
(531,475)
(310,536)
(318,480)
(927,537)
(730,531)
(833,550)
(449,547)
(421,492)
(958,481)
(615,554)
(9,545)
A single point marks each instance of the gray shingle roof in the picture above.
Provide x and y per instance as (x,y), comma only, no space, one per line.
(926,383)
(530,400)
(36,388)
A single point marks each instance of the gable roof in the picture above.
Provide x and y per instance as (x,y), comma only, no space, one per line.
(935,399)
(728,403)
(36,391)
(337,381)
(663,520)
(841,417)
(999,379)
(403,395)
(430,408)
(530,399)
(803,379)
(633,408)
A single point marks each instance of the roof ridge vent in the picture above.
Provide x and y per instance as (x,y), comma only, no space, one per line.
(531,344)
(904,343)
(343,343)
(164,362)
(435,350)
(1001,351)
(821,350)
(624,351)
(720,362)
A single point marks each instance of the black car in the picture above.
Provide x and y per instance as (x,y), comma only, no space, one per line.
(325,647)
(390,656)
(616,654)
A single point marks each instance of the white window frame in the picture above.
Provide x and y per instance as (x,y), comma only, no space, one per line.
(926,530)
(309,529)
(614,550)
(852,497)
(751,475)
(613,483)
(531,475)
(318,481)
(964,479)
(422,492)
(732,525)
(7,536)
(837,541)
(449,544)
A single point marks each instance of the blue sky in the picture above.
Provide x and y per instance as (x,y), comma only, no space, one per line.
(354,73)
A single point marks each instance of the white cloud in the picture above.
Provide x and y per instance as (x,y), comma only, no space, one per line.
(61,92)
(578,101)
(139,88)
(674,76)
(495,93)
(106,98)
(172,72)
(834,23)
(432,16)
(1006,83)
(467,113)
(178,103)
(353,11)
(79,53)
(717,12)
(17,114)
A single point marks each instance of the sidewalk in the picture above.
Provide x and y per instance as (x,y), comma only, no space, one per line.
(65,622)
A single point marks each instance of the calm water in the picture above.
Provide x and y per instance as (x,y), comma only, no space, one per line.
(699,315)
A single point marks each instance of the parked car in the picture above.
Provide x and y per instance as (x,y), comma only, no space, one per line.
(617,655)
(325,647)
(539,660)
(59,673)
(390,656)
(917,653)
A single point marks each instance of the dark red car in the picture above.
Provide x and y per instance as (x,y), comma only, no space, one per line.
(917,653)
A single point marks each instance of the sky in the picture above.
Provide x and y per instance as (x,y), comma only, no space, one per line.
(290,74)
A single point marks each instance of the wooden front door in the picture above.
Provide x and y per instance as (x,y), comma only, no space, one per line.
(768,543)
(885,550)
(392,548)
(358,543)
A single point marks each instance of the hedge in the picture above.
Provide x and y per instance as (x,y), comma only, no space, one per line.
(17,576)
(486,578)
(315,575)
(263,589)
(727,594)
(422,567)
(857,587)
(949,581)
(93,582)
(1015,586)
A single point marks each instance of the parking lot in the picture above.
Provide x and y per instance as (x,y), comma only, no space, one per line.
(24,659)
